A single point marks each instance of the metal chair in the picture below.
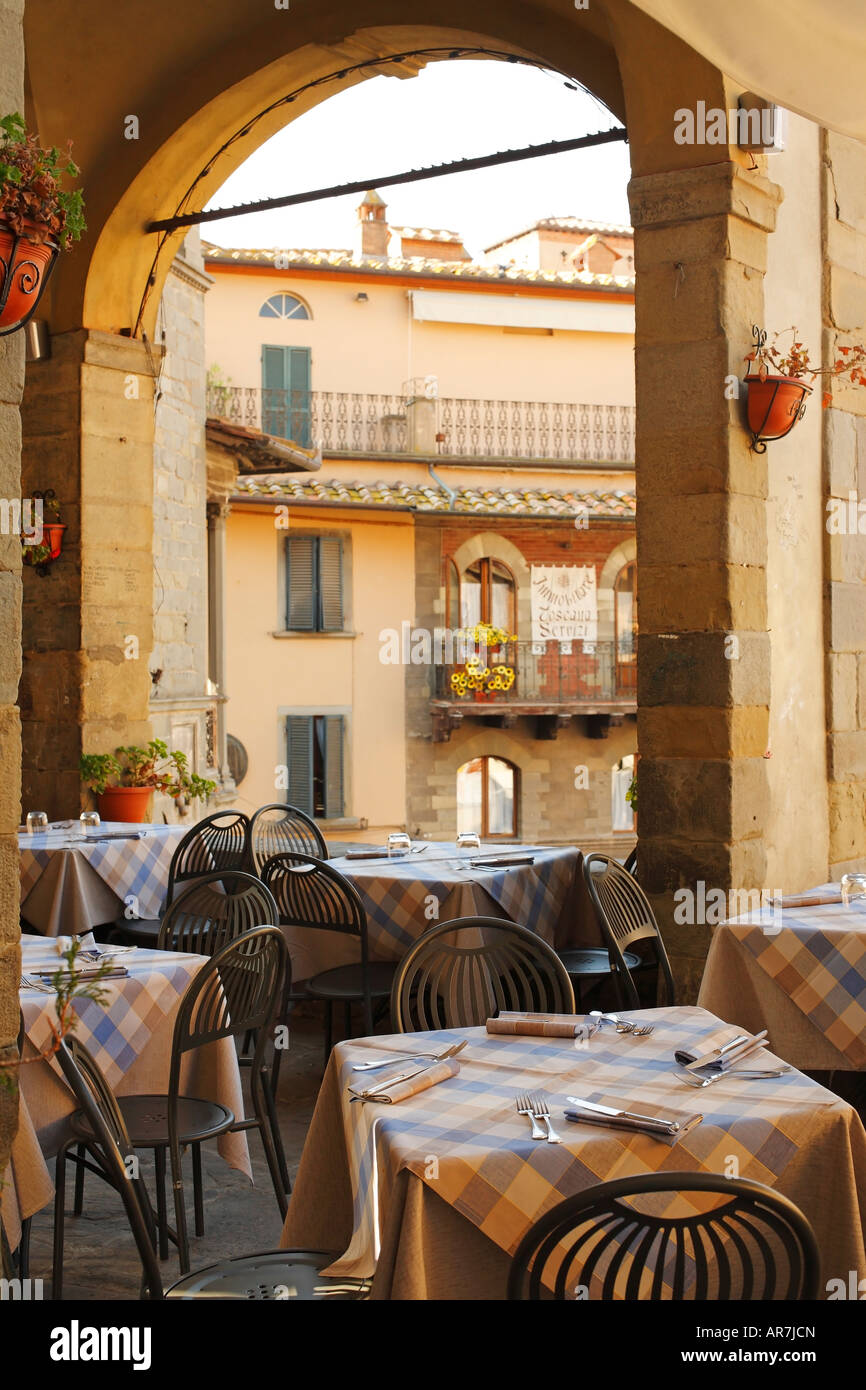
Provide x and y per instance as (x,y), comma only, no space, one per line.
(625,918)
(277,828)
(460,973)
(282,1274)
(310,893)
(239,990)
(752,1244)
(220,841)
(630,862)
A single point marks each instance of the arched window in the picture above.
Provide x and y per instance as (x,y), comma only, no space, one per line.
(283,306)
(487,798)
(452,595)
(488,594)
(625,618)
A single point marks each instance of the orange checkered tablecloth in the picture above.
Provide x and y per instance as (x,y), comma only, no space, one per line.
(435,1193)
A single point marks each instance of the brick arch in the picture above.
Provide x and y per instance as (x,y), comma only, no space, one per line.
(489,544)
(618,557)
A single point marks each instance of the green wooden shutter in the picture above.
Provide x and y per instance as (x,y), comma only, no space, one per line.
(299,385)
(334,732)
(302,588)
(330,574)
(299,742)
(275,387)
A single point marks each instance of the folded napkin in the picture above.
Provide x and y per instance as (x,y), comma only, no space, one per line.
(543,1025)
(402,1090)
(719,1038)
(816,897)
(660,1122)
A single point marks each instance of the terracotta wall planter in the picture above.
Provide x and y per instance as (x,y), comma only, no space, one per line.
(775,406)
(129,804)
(25,266)
(52,536)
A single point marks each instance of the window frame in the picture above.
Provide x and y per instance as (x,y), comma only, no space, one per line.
(284,295)
(334,729)
(485,583)
(318,597)
(485,831)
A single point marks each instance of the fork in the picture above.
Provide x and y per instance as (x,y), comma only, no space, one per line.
(624,1025)
(700,1082)
(524,1107)
(541,1111)
(390,1061)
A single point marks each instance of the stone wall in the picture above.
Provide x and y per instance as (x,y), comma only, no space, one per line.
(182,707)
(11,387)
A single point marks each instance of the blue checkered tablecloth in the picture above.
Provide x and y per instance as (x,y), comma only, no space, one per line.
(133,867)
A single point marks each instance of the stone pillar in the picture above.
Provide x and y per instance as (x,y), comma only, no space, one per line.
(11,386)
(88,627)
(217,514)
(703,666)
(844,245)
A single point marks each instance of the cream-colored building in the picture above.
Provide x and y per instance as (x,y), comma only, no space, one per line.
(473,425)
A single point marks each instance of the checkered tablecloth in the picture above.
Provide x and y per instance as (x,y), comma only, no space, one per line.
(135,867)
(118,1031)
(403,897)
(817,957)
(465,1142)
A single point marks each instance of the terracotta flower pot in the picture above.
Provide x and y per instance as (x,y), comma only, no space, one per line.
(130,804)
(52,536)
(25,266)
(775,406)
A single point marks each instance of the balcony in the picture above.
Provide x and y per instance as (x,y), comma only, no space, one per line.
(351,423)
(553,681)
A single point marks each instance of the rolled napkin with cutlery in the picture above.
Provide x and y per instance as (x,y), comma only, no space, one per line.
(817,897)
(721,1049)
(88,973)
(543,1025)
(406,1084)
(659,1121)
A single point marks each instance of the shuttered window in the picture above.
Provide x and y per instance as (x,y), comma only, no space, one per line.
(315,763)
(286,399)
(314,584)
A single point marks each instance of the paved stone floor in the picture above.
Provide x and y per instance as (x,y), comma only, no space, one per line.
(101,1260)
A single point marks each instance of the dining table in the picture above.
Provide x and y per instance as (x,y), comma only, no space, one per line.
(431,1196)
(796,967)
(130,1037)
(74,879)
(538,886)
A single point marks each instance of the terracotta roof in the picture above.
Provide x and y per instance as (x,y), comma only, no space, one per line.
(259,452)
(566,224)
(427,497)
(428,234)
(420,266)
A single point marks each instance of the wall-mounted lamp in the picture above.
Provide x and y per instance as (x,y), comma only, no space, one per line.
(362,297)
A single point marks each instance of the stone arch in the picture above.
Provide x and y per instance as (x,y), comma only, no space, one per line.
(496,547)
(618,557)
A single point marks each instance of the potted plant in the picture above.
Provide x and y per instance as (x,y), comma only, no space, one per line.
(38,217)
(776,386)
(41,555)
(137,773)
(475,677)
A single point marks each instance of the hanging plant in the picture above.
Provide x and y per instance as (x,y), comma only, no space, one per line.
(42,555)
(38,218)
(779,382)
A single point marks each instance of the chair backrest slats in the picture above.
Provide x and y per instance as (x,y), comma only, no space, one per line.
(213,910)
(753,1243)
(310,893)
(459,973)
(625,917)
(278,828)
(220,841)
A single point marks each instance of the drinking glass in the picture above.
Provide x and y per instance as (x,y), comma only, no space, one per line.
(854,890)
(399,845)
(89,820)
(468,839)
(36,821)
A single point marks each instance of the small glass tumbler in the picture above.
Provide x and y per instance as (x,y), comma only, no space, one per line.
(89,820)
(35,822)
(854,890)
(399,845)
(468,839)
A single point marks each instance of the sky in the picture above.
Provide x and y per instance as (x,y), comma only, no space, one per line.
(451,110)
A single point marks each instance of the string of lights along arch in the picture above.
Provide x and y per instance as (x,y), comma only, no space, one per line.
(165,227)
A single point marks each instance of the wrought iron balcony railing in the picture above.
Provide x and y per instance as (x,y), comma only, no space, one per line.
(350,422)
(541,675)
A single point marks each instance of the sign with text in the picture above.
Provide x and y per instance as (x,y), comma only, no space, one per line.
(564,603)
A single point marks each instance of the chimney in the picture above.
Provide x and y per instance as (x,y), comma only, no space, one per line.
(373,233)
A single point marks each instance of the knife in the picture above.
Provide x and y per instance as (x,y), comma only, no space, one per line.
(744,1044)
(414,1071)
(668,1126)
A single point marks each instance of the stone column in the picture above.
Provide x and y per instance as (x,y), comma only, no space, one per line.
(11,386)
(217,513)
(703,666)
(88,626)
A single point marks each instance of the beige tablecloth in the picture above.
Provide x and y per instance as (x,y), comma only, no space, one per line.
(144,1022)
(443,1186)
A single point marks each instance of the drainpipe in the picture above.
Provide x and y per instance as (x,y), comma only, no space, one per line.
(444,486)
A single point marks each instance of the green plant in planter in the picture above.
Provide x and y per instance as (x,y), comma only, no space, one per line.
(153,766)
(631,794)
(31,191)
(38,554)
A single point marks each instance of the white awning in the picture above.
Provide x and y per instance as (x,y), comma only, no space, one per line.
(806,55)
(516,311)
